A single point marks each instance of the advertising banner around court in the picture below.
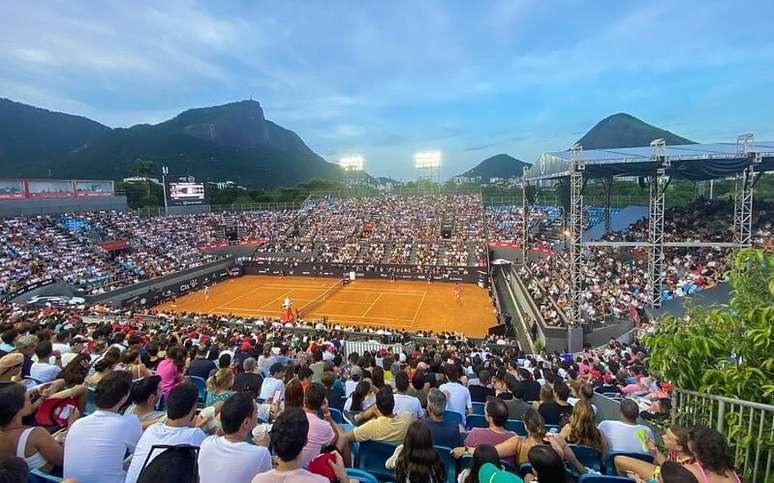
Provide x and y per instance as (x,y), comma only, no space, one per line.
(27,288)
(477,275)
(164,293)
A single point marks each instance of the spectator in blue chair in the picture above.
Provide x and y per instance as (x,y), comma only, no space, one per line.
(322,432)
(582,430)
(178,428)
(361,399)
(445,433)
(457,395)
(288,438)
(485,453)
(334,393)
(96,444)
(385,425)
(230,457)
(676,442)
(38,448)
(145,395)
(405,403)
(621,435)
(274,385)
(496,413)
(250,379)
(550,461)
(201,366)
(483,389)
(517,446)
(416,460)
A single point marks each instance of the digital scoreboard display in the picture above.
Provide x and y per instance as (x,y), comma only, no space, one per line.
(185,190)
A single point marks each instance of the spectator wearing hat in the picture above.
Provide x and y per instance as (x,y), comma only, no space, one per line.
(25,345)
(355,373)
(10,368)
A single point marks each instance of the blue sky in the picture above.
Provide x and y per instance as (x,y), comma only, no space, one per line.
(385,79)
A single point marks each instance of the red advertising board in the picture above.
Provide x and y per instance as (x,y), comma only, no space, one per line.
(22,189)
(12,189)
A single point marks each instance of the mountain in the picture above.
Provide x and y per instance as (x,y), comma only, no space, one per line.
(498,166)
(626,131)
(30,137)
(228,142)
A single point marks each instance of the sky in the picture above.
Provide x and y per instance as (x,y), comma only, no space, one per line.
(386,79)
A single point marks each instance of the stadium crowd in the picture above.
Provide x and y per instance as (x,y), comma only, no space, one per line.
(616,280)
(198,397)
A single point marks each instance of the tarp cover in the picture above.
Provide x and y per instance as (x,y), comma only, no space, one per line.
(689,161)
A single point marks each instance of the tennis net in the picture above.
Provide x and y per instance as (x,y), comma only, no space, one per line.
(319,300)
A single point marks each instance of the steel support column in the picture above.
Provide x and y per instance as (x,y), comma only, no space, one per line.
(608,184)
(743,204)
(524,224)
(658,184)
(576,239)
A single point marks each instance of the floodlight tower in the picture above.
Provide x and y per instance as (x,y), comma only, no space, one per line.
(353,169)
(428,164)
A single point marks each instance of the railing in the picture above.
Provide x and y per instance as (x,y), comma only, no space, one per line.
(748,427)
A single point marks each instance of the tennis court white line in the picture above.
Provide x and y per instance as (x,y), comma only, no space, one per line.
(372,305)
(416,314)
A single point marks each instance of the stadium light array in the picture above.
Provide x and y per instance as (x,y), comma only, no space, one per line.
(427,159)
(352,163)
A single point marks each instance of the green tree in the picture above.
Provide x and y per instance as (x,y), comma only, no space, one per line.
(143,168)
(724,350)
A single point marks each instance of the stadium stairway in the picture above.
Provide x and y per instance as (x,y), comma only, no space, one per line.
(618,222)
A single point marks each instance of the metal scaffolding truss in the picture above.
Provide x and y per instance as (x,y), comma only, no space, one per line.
(525,219)
(576,235)
(658,184)
(743,204)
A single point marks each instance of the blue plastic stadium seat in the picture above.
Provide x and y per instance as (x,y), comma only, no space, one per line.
(37,476)
(371,458)
(452,416)
(449,462)
(610,463)
(91,402)
(516,426)
(201,385)
(336,415)
(475,421)
(361,476)
(588,456)
(587,478)
(478,408)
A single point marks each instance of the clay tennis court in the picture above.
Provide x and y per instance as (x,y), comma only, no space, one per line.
(404,305)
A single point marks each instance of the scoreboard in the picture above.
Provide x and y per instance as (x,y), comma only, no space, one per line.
(184,191)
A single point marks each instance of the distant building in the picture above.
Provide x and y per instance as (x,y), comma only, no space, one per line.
(225,184)
(140,179)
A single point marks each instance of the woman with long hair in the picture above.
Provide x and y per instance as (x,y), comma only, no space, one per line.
(714,461)
(517,446)
(70,383)
(676,442)
(582,429)
(103,366)
(171,369)
(416,460)
(484,453)
(38,448)
(359,400)
(377,377)
(130,359)
(219,386)
(294,394)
